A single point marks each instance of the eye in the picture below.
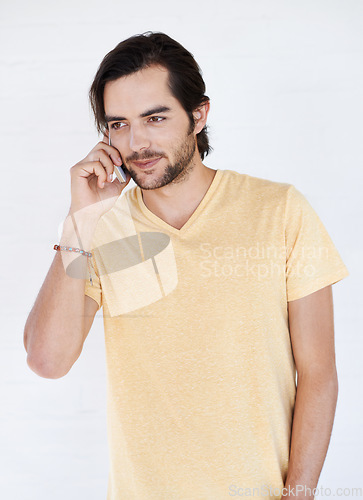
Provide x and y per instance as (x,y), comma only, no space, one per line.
(156,119)
(117,125)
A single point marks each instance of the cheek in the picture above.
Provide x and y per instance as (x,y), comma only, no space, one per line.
(169,139)
(163,141)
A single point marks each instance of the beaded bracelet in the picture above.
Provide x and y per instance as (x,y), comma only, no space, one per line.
(77,250)
(72,249)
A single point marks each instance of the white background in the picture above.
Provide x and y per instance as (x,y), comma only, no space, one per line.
(285,80)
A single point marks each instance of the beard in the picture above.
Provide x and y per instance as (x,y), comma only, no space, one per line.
(173,173)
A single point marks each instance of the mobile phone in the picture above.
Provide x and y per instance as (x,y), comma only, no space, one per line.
(119,172)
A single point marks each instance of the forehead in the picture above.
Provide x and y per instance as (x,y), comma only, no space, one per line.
(132,94)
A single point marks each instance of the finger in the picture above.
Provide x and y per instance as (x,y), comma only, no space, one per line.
(102,156)
(110,150)
(89,169)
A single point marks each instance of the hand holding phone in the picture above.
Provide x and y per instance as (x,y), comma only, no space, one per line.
(93,186)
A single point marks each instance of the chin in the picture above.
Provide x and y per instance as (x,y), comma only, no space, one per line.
(146,181)
(157,178)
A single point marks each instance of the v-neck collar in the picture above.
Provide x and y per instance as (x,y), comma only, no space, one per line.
(160,222)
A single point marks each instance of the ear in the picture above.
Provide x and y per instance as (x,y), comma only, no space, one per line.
(200,117)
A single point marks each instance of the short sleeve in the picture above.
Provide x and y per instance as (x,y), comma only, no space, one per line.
(94,290)
(312,261)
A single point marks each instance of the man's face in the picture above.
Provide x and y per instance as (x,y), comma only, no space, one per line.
(150,128)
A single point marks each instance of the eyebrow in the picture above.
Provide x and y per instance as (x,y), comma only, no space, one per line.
(153,111)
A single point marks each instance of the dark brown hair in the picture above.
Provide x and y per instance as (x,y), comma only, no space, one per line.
(141,51)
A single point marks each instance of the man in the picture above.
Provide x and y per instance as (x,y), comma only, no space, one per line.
(216,292)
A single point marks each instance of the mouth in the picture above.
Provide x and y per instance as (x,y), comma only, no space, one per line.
(145,164)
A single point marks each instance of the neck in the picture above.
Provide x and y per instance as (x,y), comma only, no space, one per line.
(175,202)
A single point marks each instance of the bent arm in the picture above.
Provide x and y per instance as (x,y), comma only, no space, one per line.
(311,322)
(62,315)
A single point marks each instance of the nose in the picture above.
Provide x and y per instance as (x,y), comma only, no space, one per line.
(138,138)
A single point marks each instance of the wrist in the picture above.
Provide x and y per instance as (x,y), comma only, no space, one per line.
(77,232)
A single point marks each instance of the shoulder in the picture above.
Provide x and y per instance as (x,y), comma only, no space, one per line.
(257,189)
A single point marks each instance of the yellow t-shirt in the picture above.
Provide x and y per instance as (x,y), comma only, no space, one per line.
(200,372)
